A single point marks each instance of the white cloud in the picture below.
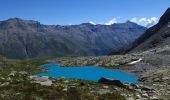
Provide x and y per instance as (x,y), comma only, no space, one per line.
(112,21)
(134,20)
(154,19)
(147,22)
(91,22)
(143,20)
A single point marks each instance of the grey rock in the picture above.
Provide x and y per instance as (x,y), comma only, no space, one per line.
(111,82)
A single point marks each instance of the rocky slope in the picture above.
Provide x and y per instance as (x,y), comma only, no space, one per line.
(156,36)
(24,39)
(152,68)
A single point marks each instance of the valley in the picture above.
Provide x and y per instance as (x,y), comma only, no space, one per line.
(150,72)
(86,61)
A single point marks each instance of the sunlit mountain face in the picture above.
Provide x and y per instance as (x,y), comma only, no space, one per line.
(30,39)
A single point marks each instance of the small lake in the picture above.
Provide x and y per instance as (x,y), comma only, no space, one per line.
(90,73)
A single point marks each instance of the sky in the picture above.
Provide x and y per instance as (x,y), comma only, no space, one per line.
(68,12)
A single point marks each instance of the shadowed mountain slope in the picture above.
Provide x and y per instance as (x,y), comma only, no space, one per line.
(158,35)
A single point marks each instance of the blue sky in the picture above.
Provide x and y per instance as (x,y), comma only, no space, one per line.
(79,11)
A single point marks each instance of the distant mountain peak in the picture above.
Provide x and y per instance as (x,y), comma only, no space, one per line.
(130,22)
(16,19)
(87,24)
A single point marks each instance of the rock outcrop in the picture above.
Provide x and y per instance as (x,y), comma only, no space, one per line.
(111,82)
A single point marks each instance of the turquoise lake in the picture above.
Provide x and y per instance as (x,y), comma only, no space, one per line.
(90,73)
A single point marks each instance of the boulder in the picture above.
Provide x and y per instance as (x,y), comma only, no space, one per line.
(46,83)
(4,84)
(40,78)
(135,86)
(147,89)
(145,95)
(142,79)
(154,98)
(12,73)
(111,82)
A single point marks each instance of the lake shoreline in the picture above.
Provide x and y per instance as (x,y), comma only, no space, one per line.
(81,73)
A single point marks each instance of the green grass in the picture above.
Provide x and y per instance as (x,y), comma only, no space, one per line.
(21,87)
(30,66)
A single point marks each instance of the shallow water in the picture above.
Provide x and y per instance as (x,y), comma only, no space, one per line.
(90,73)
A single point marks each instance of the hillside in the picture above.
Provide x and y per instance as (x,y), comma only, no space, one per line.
(24,39)
(156,36)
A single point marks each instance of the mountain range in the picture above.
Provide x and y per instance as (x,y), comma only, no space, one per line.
(24,39)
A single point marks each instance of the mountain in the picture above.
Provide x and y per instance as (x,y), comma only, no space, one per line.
(24,39)
(156,36)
